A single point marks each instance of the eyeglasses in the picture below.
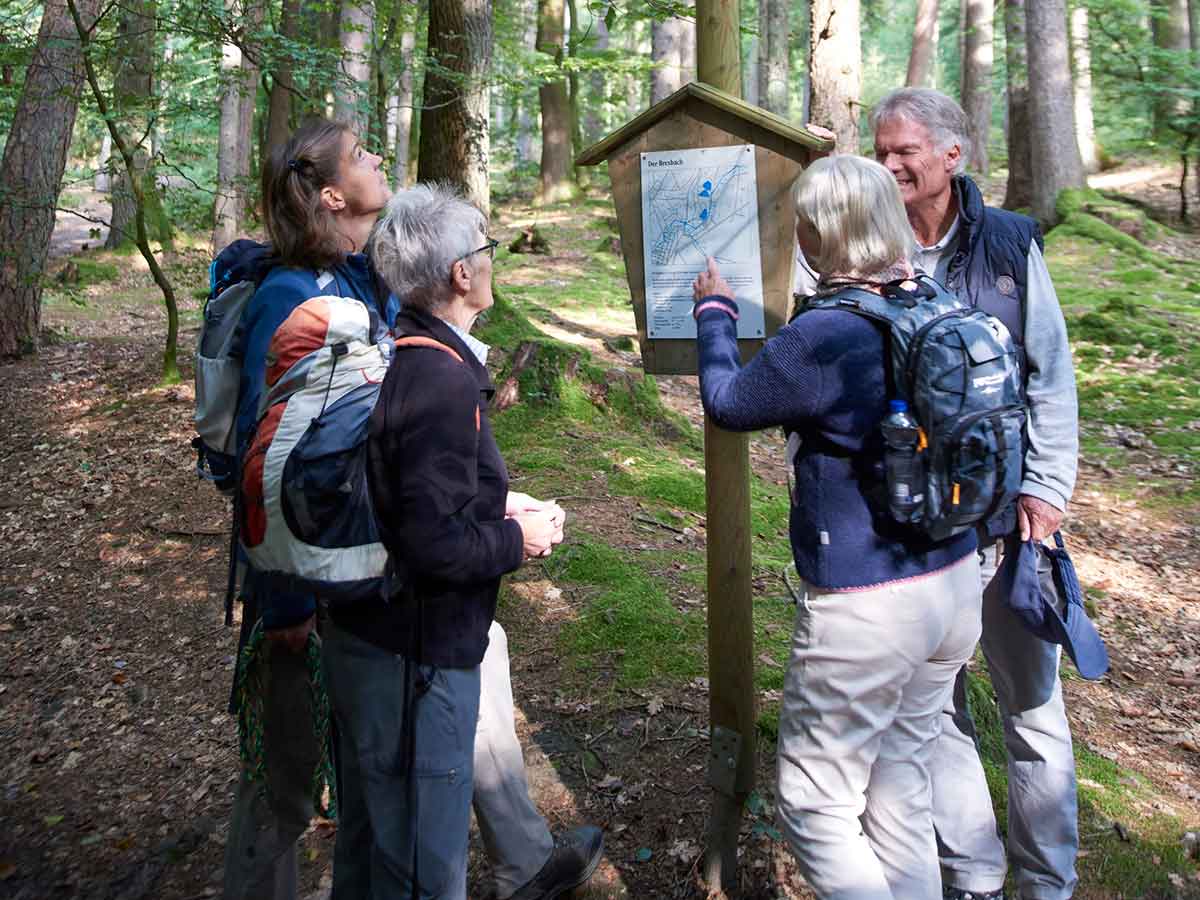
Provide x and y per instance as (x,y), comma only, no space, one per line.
(490,247)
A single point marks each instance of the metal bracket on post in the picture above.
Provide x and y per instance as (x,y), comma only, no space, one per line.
(723,760)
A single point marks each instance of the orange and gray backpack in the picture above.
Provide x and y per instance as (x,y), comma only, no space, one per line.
(307,524)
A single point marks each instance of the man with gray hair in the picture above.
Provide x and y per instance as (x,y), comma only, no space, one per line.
(993,259)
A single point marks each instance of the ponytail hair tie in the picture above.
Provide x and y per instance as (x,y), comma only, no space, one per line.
(295,164)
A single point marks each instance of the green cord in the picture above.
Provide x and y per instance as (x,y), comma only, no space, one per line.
(250,691)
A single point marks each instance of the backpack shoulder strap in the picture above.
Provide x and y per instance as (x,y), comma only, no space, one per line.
(867,304)
(416,340)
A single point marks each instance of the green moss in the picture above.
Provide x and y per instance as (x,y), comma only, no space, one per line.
(94,271)
(627,619)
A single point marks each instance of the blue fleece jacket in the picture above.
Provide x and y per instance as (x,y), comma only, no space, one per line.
(284,289)
(821,377)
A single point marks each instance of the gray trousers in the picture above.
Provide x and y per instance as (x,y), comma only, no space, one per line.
(406,738)
(260,855)
(1043,831)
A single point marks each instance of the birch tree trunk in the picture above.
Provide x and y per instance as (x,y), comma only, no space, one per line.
(556,183)
(404,107)
(455,141)
(774,70)
(279,110)
(227,205)
(1081,57)
(924,45)
(1018,193)
(35,155)
(1054,153)
(977,82)
(835,69)
(352,91)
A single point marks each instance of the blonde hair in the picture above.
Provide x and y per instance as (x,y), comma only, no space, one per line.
(853,206)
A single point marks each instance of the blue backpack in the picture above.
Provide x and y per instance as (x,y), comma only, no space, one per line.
(234,276)
(957,368)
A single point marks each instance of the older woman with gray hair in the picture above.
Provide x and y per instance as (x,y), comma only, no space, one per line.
(888,616)
(404,675)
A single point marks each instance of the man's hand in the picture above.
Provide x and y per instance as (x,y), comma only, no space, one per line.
(294,637)
(709,283)
(1037,518)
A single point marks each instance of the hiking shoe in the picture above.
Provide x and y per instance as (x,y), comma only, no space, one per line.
(574,858)
(951,893)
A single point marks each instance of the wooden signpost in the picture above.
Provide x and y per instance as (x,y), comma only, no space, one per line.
(701,115)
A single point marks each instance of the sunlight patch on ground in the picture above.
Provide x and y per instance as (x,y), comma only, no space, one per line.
(1129,177)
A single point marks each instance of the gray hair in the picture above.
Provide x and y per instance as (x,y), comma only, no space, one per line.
(853,205)
(939,114)
(423,231)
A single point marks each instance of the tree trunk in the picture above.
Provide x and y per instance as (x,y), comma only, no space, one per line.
(595,123)
(687,51)
(404,106)
(131,99)
(774,69)
(1169,22)
(283,86)
(526,150)
(1019,191)
(252,25)
(835,69)
(634,43)
(35,155)
(573,104)
(556,183)
(454,118)
(977,82)
(665,78)
(351,102)
(227,205)
(924,45)
(1081,56)
(1054,152)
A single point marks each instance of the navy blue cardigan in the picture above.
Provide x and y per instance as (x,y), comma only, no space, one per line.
(822,377)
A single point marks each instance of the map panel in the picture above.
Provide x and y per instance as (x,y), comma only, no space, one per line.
(699,203)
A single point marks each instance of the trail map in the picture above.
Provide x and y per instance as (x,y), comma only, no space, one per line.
(695,204)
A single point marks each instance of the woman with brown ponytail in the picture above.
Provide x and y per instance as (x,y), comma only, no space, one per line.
(322,192)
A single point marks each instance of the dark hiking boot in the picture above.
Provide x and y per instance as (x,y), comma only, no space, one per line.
(574,858)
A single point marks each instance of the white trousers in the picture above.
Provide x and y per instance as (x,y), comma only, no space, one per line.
(515,835)
(869,675)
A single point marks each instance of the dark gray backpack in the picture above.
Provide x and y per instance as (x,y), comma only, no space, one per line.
(957,368)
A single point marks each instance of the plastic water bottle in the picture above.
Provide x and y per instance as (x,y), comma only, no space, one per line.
(905,480)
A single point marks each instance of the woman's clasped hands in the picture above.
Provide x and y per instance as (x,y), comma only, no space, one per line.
(541,522)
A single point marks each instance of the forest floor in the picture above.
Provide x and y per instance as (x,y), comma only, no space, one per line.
(120,761)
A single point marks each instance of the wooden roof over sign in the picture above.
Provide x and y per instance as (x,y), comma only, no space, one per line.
(714,97)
